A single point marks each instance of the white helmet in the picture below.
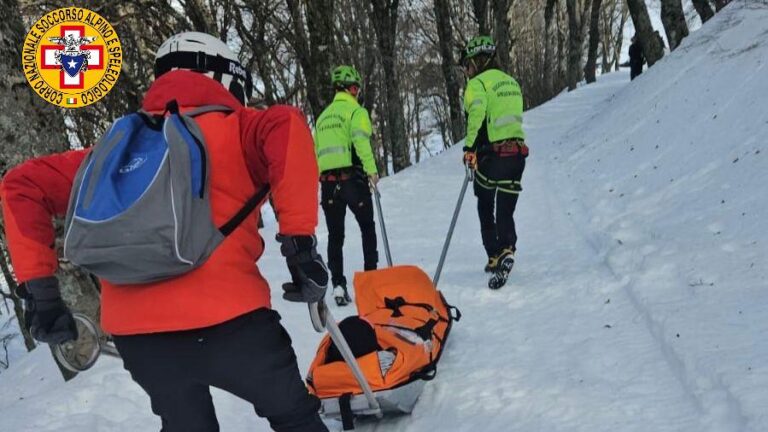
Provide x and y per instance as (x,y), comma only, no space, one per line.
(208,54)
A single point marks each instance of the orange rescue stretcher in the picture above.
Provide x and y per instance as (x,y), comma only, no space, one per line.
(411,321)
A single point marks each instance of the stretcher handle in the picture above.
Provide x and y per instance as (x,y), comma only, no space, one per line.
(377,198)
(322,316)
(469,175)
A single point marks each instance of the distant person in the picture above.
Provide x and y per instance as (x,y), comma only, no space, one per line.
(636,58)
(495,148)
(347,166)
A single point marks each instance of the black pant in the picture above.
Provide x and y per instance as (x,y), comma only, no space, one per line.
(337,196)
(250,356)
(497,184)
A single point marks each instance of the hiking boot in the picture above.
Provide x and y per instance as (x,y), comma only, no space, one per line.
(504,266)
(341,295)
(493,263)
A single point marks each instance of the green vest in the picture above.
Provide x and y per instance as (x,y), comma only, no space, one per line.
(344,129)
(493,98)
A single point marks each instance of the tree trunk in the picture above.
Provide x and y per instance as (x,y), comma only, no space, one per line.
(720,4)
(590,70)
(704,9)
(384,17)
(619,38)
(549,13)
(673,18)
(254,34)
(561,25)
(200,17)
(480,7)
(501,33)
(575,43)
(450,74)
(653,45)
(607,21)
(315,50)
(322,52)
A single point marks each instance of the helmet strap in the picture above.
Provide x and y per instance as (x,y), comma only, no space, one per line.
(200,61)
(354,90)
(486,63)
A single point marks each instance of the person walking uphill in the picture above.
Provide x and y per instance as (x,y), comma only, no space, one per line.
(636,58)
(210,324)
(496,150)
(345,158)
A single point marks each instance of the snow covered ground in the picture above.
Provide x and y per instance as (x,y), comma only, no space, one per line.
(640,298)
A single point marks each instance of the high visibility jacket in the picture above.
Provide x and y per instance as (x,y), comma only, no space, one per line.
(343,136)
(247,149)
(493,102)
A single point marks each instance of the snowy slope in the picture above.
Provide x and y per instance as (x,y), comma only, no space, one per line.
(639,299)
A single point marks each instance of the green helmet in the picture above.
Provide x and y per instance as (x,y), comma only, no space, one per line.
(345,76)
(480,45)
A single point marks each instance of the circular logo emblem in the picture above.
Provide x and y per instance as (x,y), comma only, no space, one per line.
(72,57)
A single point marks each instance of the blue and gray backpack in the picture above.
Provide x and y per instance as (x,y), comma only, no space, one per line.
(140,209)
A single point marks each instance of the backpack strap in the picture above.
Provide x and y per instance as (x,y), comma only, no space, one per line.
(155,120)
(246,210)
(208,108)
(253,202)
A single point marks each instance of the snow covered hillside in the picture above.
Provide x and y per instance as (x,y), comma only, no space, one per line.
(639,301)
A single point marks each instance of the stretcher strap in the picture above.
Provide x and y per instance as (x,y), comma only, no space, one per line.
(396,303)
(427,373)
(425,332)
(454,313)
(347,419)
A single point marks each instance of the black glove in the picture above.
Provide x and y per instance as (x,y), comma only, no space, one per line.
(308,271)
(46,316)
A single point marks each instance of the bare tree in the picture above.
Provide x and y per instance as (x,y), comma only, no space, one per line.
(614,16)
(501,32)
(480,7)
(704,9)
(590,70)
(549,14)
(720,4)
(384,18)
(673,18)
(314,47)
(653,45)
(576,20)
(450,75)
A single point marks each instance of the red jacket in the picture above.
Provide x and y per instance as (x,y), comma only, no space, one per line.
(248,148)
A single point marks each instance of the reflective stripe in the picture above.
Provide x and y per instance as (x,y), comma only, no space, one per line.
(480,183)
(360,133)
(508,119)
(331,150)
(508,182)
(506,186)
(476,102)
(509,191)
(479,176)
